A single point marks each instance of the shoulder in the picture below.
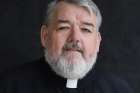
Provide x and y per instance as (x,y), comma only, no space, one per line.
(25,71)
(112,82)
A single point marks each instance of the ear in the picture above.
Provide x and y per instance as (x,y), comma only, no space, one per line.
(44,35)
(98,40)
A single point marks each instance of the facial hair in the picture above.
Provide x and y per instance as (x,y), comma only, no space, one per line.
(70,66)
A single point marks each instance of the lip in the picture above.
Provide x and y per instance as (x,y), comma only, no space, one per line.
(73,50)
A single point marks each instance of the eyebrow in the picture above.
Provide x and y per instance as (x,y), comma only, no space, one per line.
(63,21)
(88,24)
(67,21)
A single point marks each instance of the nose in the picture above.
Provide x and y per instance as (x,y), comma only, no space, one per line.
(75,35)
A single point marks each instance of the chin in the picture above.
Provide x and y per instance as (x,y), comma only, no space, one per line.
(72,66)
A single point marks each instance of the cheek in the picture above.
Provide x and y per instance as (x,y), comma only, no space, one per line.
(56,44)
(90,47)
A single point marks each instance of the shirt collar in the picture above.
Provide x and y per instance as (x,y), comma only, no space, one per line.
(61,82)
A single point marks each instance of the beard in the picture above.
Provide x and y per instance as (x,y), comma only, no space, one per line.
(70,65)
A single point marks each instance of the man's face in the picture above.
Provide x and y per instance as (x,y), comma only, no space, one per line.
(71,36)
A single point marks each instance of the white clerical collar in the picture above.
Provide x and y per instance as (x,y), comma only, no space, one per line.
(71,83)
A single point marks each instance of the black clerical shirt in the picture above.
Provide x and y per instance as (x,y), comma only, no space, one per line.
(37,77)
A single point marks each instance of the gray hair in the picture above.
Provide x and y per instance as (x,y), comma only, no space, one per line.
(88,4)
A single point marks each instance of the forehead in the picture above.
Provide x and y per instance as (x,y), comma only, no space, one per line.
(70,11)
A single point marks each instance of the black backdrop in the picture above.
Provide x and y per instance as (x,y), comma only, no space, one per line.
(20,22)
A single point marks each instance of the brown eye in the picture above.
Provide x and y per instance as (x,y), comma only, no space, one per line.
(86,30)
(63,28)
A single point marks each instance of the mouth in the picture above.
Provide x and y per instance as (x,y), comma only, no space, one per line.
(73,50)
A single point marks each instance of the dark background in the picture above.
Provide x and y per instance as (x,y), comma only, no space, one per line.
(20,22)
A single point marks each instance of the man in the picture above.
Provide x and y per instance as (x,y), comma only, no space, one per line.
(71,39)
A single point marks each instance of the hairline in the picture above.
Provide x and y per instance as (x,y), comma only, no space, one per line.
(92,9)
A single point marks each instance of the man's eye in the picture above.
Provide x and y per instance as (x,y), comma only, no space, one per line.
(86,30)
(63,28)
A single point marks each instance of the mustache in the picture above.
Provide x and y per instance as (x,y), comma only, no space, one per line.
(73,46)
